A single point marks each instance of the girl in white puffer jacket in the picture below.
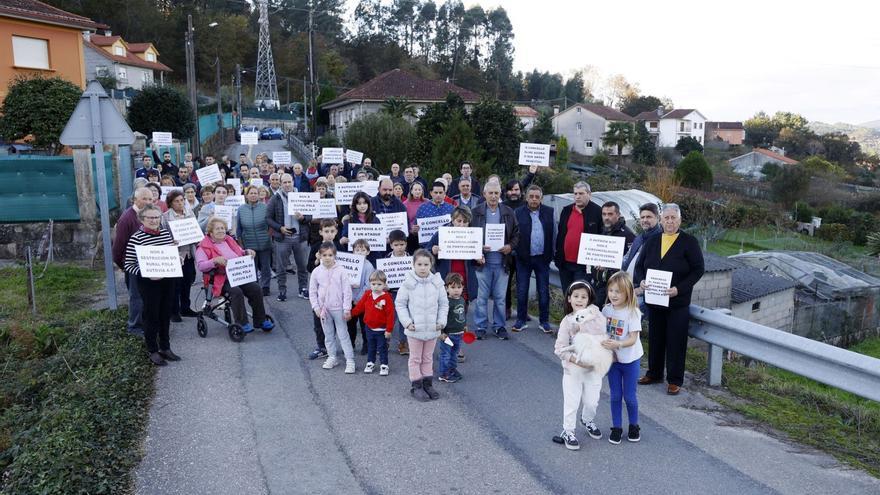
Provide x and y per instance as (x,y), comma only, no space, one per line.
(422,306)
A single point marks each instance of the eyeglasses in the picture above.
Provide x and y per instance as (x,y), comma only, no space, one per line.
(152,218)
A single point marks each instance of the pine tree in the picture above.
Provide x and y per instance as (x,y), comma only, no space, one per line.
(644,151)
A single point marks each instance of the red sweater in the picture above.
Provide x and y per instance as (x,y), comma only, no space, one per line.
(378,313)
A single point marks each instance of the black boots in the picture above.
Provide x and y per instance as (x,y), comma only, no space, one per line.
(429,388)
(418,392)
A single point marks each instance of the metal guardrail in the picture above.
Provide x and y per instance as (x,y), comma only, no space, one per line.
(301,150)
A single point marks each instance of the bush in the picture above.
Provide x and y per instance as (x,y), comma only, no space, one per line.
(834,232)
(862,224)
(161,109)
(687,145)
(791,184)
(770,170)
(600,160)
(39,108)
(836,214)
(804,212)
(694,172)
(384,138)
(328,141)
(562,151)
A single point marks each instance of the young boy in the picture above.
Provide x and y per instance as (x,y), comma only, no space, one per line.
(328,234)
(376,307)
(397,241)
(361,247)
(456,325)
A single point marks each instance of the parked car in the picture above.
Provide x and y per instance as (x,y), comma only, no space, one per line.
(271,133)
(245,128)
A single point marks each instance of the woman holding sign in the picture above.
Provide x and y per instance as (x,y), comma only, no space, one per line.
(677,253)
(361,212)
(180,303)
(156,292)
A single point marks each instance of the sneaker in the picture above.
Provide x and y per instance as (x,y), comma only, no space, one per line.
(403,349)
(266,291)
(267,325)
(282,296)
(571,441)
(188,313)
(615,435)
(460,358)
(481,334)
(170,356)
(247,328)
(369,367)
(501,333)
(592,430)
(304,294)
(455,374)
(546,328)
(519,326)
(330,363)
(350,367)
(445,379)
(317,353)
(157,359)
(634,433)
(383,370)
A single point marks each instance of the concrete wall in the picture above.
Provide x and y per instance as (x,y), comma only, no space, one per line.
(591,129)
(750,164)
(730,136)
(776,310)
(713,290)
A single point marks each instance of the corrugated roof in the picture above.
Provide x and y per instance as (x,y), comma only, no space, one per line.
(716,263)
(41,12)
(399,83)
(749,283)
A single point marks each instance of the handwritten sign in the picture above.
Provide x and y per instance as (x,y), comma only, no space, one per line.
(371,187)
(495,236)
(234,201)
(428,226)
(373,233)
(168,189)
(186,231)
(159,261)
(460,243)
(393,221)
(235,183)
(305,203)
(256,182)
(332,155)
(209,175)
(657,281)
(281,157)
(326,208)
(345,191)
(353,264)
(250,138)
(227,213)
(355,157)
(395,269)
(601,250)
(534,154)
(162,138)
(240,271)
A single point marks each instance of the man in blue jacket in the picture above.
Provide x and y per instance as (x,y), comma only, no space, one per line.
(534,252)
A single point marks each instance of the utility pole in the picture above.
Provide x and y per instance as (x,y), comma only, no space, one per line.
(305,110)
(314,115)
(219,103)
(288,92)
(195,147)
(238,92)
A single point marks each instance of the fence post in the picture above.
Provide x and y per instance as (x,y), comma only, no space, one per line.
(32,295)
(716,359)
(85,189)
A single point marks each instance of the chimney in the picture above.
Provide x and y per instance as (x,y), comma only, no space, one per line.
(87,35)
(555,109)
(108,32)
(660,111)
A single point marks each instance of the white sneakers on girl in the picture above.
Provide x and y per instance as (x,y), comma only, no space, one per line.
(383,370)
(349,367)
(330,363)
(369,367)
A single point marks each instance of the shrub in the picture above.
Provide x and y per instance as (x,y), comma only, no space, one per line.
(39,108)
(861,225)
(834,232)
(694,172)
(600,160)
(162,109)
(687,145)
(770,170)
(873,244)
(562,150)
(804,212)
(791,184)
(382,137)
(836,214)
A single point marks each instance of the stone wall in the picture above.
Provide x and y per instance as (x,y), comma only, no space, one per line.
(713,290)
(776,310)
(70,241)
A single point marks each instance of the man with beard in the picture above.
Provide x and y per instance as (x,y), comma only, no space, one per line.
(614,225)
(385,202)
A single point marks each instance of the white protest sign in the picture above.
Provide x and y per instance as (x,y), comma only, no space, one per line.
(234,201)
(352,156)
(495,236)
(393,221)
(332,155)
(168,189)
(240,271)
(373,233)
(250,138)
(186,231)
(534,154)
(227,213)
(209,175)
(428,226)
(395,269)
(256,182)
(371,187)
(281,157)
(460,243)
(305,203)
(159,261)
(658,281)
(601,250)
(383,177)
(235,183)
(162,138)
(353,264)
(326,208)
(345,191)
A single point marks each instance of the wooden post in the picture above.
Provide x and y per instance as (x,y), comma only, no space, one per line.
(85,189)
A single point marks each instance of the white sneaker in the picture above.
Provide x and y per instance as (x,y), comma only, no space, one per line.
(330,363)
(349,367)
(369,367)
(383,370)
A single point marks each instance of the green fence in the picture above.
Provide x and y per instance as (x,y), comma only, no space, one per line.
(208,125)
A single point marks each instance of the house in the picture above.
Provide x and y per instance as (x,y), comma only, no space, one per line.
(132,65)
(38,39)
(714,288)
(751,163)
(651,119)
(369,97)
(732,133)
(584,124)
(669,127)
(526,115)
(763,298)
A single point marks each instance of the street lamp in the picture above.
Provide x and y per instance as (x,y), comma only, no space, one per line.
(191,84)
(219,97)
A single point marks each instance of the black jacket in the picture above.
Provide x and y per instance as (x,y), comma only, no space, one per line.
(684,259)
(476,189)
(511,231)
(592,225)
(524,222)
(601,276)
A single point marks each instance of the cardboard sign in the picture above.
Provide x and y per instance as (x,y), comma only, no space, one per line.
(186,231)
(428,226)
(241,270)
(355,157)
(281,157)
(394,221)
(305,203)
(250,138)
(601,250)
(345,191)
(460,243)
(495,235)
(235,183)
(255,182)
(168,189)
(227,213)
(159,261)
(658,281)
(395,269)
(534,154)
(162,138)
(326,208)
(353,264)
(373,233)
(209,175)
(234,201)
(332,155)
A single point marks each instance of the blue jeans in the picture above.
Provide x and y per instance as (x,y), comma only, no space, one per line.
(524,271)
(449,354)
(622,383)
(376,342)
(398,327)
(492,281)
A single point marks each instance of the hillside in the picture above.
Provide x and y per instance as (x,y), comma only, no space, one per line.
(867,137)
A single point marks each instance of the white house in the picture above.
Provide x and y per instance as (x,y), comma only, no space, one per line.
(583,126)
(526,115)
(669,127)
(133,65)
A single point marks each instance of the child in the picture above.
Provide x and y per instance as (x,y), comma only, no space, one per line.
(422,308)
(624,322)
(330,297)
(361,247)
(575,391)
(456,324)
(397,241)
(328,231)
(377,308)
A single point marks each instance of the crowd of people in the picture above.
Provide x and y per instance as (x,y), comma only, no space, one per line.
(428,308)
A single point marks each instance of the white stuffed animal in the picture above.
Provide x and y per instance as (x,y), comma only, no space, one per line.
(587,347)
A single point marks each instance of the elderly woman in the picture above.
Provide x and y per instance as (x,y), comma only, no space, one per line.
(190,199)
(180,303)
(253,232)
(156,293)
(677,252)
(212,254)
(157,195)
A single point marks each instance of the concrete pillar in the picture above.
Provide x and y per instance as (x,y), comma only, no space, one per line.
(85,189)
(114,167)
(125,172)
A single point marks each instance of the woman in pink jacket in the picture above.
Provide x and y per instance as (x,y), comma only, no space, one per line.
(330,296)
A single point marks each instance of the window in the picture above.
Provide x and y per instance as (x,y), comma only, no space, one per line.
(102,71)
(578,109)
(756,307)
(121,74)
(118,50)
(681,126)
(151,57)
(578,126)
(652,125)
(588,145)
(146,77)
(32,53)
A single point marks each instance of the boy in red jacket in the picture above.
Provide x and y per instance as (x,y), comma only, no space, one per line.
(377,306)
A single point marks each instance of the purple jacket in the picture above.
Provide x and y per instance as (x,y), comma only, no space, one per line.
(127,225)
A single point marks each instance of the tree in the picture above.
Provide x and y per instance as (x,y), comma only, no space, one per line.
(791,184)
(430,124)
(39,108)
(873,243)
(694,172)
(326,94)
(498,132)
(542,131)
(398,107)
(455,144)
(383,137)
(688,144)
(644,151)
(618,135)
(633,106)
(574,88)
(162,109)
(760,130)
(770,170)
(562,151)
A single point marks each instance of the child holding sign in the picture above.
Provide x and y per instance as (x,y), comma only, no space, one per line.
(377,309)
(330,297)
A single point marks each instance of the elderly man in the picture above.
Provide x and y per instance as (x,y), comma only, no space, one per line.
(465,197)
(289,237)
(493,269)
(613,224)
(127,225)
(396,177)
(466,171)
(300,181)
(580,217)
(533,255)
(274,182)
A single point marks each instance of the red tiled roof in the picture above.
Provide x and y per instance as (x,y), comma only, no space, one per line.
(678,114)
(105,40)
(524,111)
(401,84)
(777,156)
(40,12)
(730,126)
(606,113)
(128,59)
(139,47)
(649,115)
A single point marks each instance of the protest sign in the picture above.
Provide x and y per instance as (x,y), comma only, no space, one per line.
(235,201)
(162,138)
(345,191)
(371,187)
(305,203)
(373,233)
(534,154)
(186,231)
(227,213)
(355,157)
(332,155)
(428,226)
(353,264)
(240,271)
(383,177)
(159,261)
(395,269)
(250,138)
(495,236)
(255,182)
(657,281)
(235,183)
(393,221)
(281,157)
(601,250)
(326,208)
(209,175)
(460,243)
(168,189)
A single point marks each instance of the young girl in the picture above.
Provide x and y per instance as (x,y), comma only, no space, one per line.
(330,296)
(624,322)
(377,307)
(575,389)
(422,308)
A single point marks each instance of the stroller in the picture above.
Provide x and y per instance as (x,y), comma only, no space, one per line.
(212,307)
